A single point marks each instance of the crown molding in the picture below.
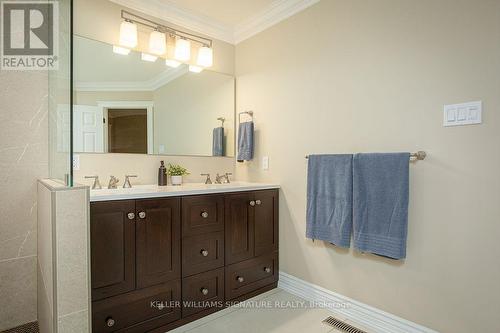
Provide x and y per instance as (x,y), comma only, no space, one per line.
(276,12)
(149,85)
(181,17)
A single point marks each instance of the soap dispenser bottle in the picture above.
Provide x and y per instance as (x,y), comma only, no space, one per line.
(162,175)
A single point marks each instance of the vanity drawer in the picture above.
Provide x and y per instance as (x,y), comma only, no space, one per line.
(161,302)
(202,291)
(202,214)
(247,276)
(202,253)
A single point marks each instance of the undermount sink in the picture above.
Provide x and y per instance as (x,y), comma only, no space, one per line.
(152,191)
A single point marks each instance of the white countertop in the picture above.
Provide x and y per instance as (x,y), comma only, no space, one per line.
(155,191)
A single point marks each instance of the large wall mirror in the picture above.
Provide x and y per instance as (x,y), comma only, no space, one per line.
(123,104)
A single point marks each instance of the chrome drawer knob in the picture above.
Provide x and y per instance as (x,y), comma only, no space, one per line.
(110,322)
(267,269)
(252,203)
(142,215)
(258,202)
(240,279)
(204,291)
(131,216)
(204,253)
(204,215)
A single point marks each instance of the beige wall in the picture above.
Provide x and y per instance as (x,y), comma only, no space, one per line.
(23,159)
(363,76)
(92,97)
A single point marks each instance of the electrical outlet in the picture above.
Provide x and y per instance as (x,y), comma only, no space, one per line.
(265,163)
(76,162)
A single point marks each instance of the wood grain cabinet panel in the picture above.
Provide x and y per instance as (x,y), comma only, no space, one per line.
(202,253)
(239,226)
(202,291)
(266,222)
(158,241)
(112,237)
(202,214)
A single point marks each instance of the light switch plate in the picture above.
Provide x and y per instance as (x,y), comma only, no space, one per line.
(463,114)
(76,162)
(265,163)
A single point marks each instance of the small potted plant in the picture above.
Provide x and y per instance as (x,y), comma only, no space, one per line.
(176,172)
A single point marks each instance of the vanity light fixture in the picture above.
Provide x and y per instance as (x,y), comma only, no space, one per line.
(182,49)
(195,69)
(121,50)
(128,34)
(205,56)
(157,43)
(148,57)
(172,63)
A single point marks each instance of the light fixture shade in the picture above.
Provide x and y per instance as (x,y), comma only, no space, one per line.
(148,57)
(120,50)
(172,63)
(195,69)
(128,34)
(182,49)
(157,43)
(205,56)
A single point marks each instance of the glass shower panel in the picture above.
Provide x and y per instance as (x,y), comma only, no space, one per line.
(60,119)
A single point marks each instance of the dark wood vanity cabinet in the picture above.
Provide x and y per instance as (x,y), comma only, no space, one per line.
(159,263)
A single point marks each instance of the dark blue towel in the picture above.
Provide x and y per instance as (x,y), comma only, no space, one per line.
(329,199)
(380,203)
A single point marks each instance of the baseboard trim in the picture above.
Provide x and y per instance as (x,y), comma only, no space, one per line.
(366,316)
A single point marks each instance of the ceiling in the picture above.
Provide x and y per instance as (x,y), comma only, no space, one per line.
(231,21)
(227,12)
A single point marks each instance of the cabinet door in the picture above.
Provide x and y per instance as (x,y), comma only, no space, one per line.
(158,230)
(239,227)
(266,222)
(112,237)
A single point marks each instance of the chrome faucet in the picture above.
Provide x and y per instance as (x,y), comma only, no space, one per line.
(208,181)
(97,184)
(127,184)
(224,179)
(113,181)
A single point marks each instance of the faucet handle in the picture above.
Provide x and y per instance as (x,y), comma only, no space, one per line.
(227,177)
(96,184)
(127,183)
(208,180)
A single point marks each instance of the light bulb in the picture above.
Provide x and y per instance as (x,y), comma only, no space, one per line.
(195,69)
(148,57)
(182,49)
(120,50)
(172,63)
(128,34)
(157,43)
(205,56)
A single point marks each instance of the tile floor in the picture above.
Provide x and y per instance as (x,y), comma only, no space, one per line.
(277,311)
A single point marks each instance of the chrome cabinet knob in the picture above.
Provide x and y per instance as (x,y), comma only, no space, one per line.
(131,216)
(240,279)
(204,253)
(204,291)
(110,322)
(258,202)
(252,203)
(204,215)
(267,269)
(142,215)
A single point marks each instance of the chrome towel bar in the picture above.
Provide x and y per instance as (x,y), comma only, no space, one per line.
(418,156)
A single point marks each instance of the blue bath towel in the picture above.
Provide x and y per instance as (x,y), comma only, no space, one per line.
(380,203)
(218,141)
(245,141)
(329,199)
